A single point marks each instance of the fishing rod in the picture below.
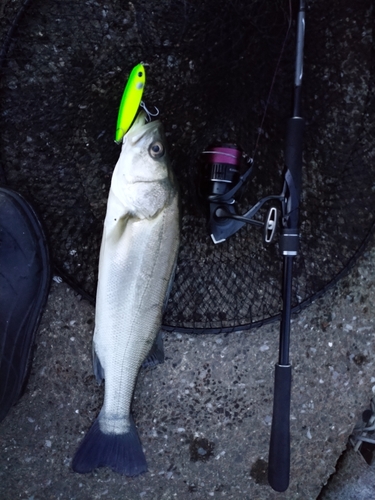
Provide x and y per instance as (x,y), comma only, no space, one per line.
(224,181)
(279,452)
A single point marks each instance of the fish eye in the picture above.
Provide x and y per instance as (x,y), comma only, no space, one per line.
(156,150)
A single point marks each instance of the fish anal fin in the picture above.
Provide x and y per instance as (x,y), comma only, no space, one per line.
(97,366)
(121,452)
(156,354)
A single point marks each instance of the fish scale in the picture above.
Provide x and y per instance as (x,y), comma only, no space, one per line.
(132,325)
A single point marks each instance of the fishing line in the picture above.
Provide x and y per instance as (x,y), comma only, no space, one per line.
(11,32)
(260,129)
(3,53)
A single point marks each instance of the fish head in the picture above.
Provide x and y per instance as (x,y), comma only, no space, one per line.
(144,156)
(143,181)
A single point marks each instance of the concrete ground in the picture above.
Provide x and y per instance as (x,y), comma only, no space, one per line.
(204,416)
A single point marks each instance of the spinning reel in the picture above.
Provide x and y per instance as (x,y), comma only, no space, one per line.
(223,181)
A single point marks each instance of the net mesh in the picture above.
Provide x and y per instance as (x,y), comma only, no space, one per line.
(210,69)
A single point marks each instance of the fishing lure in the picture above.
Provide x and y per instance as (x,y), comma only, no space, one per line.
(130,101)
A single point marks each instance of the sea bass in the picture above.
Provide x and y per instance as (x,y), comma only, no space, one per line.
(136,268)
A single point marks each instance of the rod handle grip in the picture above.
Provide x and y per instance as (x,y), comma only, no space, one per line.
(279,452)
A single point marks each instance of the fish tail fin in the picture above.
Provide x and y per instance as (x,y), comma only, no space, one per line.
(121,452)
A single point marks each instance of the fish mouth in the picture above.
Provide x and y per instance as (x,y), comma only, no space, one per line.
(140,127)
(139,122)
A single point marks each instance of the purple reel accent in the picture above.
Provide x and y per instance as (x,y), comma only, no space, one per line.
(227,155)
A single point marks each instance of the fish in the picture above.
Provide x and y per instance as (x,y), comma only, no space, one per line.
(130,101)
(137,263)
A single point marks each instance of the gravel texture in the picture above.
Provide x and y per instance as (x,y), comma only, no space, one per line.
(209,71)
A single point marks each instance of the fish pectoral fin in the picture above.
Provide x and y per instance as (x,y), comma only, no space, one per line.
(170,285)
(156,354)
(97,367)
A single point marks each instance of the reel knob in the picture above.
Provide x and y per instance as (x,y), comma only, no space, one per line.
(270,225)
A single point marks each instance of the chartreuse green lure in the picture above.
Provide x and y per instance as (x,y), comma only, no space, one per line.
(130,101)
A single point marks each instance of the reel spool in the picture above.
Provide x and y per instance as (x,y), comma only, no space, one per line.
(221,173)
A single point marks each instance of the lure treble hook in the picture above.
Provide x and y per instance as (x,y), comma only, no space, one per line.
(148,112)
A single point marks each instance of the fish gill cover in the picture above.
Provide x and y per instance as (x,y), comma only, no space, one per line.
(210,68)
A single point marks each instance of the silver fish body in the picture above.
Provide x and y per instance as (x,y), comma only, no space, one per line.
(136,266)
